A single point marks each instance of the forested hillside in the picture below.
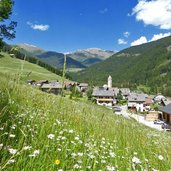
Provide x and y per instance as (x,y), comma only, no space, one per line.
(148,65)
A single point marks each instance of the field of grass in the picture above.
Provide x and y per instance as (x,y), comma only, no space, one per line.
(27,70)
(44,132)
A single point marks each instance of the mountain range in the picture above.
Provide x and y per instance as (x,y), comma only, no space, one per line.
(79,59)
(147,65)
(91,56)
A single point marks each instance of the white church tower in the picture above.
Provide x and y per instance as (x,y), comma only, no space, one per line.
(109,82)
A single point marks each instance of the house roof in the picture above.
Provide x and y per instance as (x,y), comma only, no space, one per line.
(159,97)
(148,101)
(166,101)
(83,85)
(166,109)
(101,92)
(136,97)
(56,85)
(42,81)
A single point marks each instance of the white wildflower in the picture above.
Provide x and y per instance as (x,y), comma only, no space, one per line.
(11,161)
(71,131)
(73,154)
(79,161)
(76,138)
(76,166)
(80,154)
(92,156)
(80,142)
(112,154)
(51,136)
(153,169)
(88,167)
(63,138)
(36,152)
(136,160)
(12,151)
(58,122)
(27,148)
(110,168)
(160,157)
(12,136)
(103,161)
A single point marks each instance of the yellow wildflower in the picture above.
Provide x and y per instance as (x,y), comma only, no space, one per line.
(57,162)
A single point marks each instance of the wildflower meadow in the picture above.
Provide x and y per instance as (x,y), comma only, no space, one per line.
(44,132)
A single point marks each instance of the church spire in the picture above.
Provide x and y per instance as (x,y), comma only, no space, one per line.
(109,83)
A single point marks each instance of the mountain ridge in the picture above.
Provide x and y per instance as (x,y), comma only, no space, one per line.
(78,59)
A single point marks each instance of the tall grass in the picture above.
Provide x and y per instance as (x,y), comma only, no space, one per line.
(44,132)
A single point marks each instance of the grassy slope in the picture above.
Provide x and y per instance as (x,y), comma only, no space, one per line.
(86,136)
(11,65)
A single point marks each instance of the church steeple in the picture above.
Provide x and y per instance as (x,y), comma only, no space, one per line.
(109,82)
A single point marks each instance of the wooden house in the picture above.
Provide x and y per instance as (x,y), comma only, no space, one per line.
(55,88)
(104,96)
(166,113)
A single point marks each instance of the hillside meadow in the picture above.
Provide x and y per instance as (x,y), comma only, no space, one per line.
(44,132)
(25,69)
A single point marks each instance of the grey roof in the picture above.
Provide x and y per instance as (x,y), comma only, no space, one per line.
(159,97)
(166,109)
(166,101)
(100,92)
(83,85)
(135,97)
(56,85)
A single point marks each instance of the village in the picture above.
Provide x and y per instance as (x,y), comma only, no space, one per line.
(151,110)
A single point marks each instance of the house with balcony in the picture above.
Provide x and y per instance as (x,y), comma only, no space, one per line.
(104,96)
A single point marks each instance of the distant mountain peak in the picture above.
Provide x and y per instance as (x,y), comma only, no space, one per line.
(32,49)
(91,56)
(28,45)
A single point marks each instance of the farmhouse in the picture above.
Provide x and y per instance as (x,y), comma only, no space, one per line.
(166,113)
(136,101)
(54,87)
(41,82)
(82,87)
(104,96)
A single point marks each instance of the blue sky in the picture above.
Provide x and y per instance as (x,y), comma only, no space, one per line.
(69,25)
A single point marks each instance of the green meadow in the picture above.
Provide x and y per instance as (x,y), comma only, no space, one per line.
(25,69)
(45,132)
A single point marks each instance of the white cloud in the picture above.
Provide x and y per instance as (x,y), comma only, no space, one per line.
(126,34)
(122,42)
(154,12)
(155,37)
(40,27)
(139,41)
(159,36)
(104,11)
